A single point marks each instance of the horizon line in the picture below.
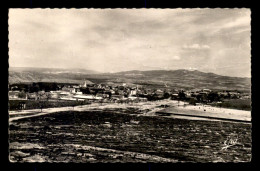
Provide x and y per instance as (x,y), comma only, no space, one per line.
(98,72)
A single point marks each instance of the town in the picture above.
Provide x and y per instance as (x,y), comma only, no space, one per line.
(43,95)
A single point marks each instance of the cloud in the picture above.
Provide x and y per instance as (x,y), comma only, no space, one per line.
(125,39)
(190,68)
(175,57)
(196,46)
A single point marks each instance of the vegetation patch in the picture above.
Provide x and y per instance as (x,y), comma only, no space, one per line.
(241,104)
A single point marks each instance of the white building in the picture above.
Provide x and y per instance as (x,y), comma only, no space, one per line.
(87,97)
(132,92)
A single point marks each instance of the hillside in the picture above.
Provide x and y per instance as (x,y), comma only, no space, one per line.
(178,79)
(52,70)
(29,75)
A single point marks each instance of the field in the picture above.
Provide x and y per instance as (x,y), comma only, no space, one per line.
(241,104)
(32,104)
(126,136)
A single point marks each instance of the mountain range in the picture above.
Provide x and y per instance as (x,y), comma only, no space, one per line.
(178,79)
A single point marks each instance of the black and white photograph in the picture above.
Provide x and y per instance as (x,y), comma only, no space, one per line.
(129,85)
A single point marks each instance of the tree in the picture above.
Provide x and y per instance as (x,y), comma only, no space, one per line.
(74,104)
(166,95)
(85,90)
(199,97)
(234,96)
(101,101)
(204,98)
(228,95)
(34,88)
(42,104)
(48,96)
(213,96)
(22,94)
(41,95)
(182,95)
(42,100)
(109,93)
(192,101)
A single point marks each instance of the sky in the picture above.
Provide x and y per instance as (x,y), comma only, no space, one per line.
(114,40)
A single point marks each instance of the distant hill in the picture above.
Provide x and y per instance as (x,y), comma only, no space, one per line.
(178,79)
(28,75)
(174,79)
(52,70)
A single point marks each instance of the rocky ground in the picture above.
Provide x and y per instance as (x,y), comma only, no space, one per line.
(125,135)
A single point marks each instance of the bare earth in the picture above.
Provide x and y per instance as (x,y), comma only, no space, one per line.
(127,133)
(175,107)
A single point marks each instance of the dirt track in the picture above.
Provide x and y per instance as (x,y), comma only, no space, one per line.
(147,109)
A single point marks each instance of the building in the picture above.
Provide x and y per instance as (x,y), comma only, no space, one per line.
(32,96)
(54,95)
(85,84)
(64,93)
(175,96)
(159,92)
(132,97)
(87,97)
(69,89)
(112,91)
(142,99)
(117,97)
(206,90)
(133,92)
(13,94)
(102,95)
(22,105)
(68,98)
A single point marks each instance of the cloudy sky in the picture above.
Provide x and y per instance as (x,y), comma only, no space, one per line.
(209,40)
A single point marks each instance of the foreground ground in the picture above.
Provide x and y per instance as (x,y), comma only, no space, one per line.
(126,135)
